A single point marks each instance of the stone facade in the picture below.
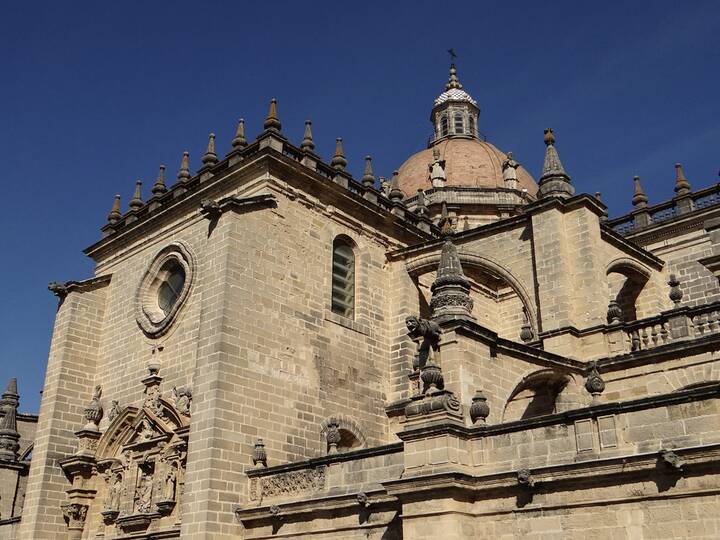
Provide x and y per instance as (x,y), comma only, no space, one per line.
(203,384)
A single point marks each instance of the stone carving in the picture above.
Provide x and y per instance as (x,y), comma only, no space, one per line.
(441,401)
(479,410)
(436,170)
(182,398)
(333,435)
(594,383)
(259,455)
(94,411)
(363,500)
(290,483)
(671,459)
(432,378)
(114,410)
(525,478)
(114,494)
(144,491)
(75,514)
(614,312)
(676,293)
(430,332)
(210,209)
(509,171)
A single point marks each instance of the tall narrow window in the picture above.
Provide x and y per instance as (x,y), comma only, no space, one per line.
(471,124)
(443,125)
(343,279)
(459,123)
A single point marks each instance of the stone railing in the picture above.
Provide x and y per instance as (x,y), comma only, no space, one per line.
(670,326)
(666,211)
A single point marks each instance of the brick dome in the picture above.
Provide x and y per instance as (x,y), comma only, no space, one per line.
(469,162)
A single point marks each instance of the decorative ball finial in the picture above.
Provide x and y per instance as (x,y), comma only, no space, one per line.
(639,199)
(259,455)
(676,293)
(479,409)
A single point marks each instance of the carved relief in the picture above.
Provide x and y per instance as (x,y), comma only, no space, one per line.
(288,484)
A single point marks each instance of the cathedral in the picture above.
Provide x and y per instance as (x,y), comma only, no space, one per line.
(271,348)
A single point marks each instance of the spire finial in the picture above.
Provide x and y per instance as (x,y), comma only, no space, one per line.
(239,141)
(210,157)
(9,436)
(115,215)
(338,161)
(368,179)
(396,194)
(453,81)
(682,186)
(307,144)
(554,182)
(136,202)
(184,172)
(159,186)
(451,289)
(639,199)
(272,122)
(445,223)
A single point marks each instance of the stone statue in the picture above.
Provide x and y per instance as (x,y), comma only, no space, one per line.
(114,410)
(143,493)
(509,171)
(182,397)
(112,501)
(437,170)
(169,484)
(430,332)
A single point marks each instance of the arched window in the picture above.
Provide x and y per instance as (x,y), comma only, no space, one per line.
(459,123)
(443,125)
(343,278)
(471,124)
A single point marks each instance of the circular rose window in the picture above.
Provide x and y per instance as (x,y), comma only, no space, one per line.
(164,288)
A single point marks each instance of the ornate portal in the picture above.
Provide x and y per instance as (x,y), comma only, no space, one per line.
(131,477)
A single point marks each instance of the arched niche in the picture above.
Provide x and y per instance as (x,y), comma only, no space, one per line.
(542,392)
(627,281)
(502,302)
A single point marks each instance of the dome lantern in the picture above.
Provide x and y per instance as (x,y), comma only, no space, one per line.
(455,113)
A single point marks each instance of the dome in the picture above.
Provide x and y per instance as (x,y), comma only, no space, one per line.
(469,162)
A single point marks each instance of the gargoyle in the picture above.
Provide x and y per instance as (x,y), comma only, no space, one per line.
(430,332)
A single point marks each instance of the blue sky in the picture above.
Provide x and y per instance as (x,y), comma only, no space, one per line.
(95,95)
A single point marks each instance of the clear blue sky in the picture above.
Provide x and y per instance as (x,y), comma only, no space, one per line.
(95,95)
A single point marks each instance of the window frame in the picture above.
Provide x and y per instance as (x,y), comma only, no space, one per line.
(344,307)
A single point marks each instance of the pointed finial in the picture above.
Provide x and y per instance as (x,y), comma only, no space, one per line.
(682,186)
(368,179)
(554,182)
(639,199)
(9,435)
(184,172)
(307,144)
(453,81)
(396,194)
(115,215)
(604,216)
(338,161)
(272,122)
(210,158)
(159,186)
(597,196)
(136,201)
(451,289)
(239,141)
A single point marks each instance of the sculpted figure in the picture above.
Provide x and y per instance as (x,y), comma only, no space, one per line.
(437,170)
(170,482)
(112,502)
(430,332)
(143,493)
